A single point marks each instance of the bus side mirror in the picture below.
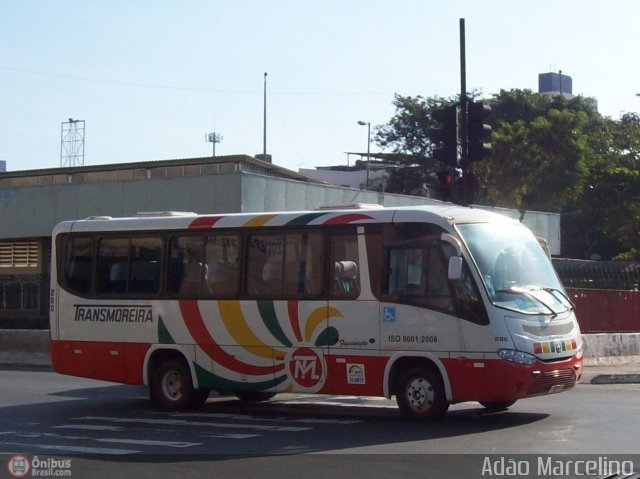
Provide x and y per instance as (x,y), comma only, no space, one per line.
(455,268)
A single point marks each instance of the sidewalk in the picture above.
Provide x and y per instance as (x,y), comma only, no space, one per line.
(615,374)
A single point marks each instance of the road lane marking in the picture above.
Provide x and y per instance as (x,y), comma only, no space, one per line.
(141,442)
(245,417)
(181,422)
(148,442)
(88,427)
(79,449)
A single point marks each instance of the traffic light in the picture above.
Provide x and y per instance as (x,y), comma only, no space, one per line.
(478,132)
(446,135)
(446,181)
(459,188)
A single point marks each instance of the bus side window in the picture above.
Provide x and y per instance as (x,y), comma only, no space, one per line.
(186,268)
(145,257)
(129,265)
(113,265)
(264,265)
(118,278)
(285,265)
(419,275)
(468,300)
(222,267)
(439,294)
(407,275)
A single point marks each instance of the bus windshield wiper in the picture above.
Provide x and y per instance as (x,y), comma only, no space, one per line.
(527,292)
(553,291)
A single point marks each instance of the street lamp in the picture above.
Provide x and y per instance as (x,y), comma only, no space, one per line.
(363,123)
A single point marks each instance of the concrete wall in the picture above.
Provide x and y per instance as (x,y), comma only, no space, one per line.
(33,211)
(612,348)
(24,347)
(31,347)
(261,193)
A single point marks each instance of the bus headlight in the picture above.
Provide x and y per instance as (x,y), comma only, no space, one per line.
(516,356)
(580,352)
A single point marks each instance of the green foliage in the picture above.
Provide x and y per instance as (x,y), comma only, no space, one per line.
(410,133)
(549,154)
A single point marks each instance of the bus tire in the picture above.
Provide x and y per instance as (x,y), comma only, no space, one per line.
(171,387)
(253,396)
(497,406)
(420,395)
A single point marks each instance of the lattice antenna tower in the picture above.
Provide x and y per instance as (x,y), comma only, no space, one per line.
(72,143)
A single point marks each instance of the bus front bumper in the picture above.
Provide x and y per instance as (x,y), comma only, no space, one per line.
(505,380)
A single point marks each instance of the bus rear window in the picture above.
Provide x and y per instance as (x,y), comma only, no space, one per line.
(79,264)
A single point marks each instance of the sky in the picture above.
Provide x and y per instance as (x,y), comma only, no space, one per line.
(151,78)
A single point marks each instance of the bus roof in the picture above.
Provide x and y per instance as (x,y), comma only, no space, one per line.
(444,215)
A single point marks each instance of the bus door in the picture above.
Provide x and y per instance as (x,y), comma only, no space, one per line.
(353,360)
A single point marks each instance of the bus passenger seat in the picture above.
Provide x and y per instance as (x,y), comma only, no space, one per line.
(222,278)
(346,278)
(118,278)
(272,277)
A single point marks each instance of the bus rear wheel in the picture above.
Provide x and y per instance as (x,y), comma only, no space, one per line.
(420,395)
(171,387)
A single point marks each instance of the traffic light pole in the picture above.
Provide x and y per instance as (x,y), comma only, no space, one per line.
(461,139)
(464,101)
(464,104)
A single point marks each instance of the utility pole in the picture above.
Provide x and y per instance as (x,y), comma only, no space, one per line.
(464,101)
(264,131)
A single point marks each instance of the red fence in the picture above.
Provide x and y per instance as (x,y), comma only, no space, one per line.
(606,311)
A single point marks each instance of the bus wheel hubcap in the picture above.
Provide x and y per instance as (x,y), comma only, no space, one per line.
(420,394)
(172,385)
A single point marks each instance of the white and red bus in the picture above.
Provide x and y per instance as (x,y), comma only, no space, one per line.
(433,305)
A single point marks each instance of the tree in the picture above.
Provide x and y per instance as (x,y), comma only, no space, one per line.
(604,221)
(549,154)
(410,133)
(541,151)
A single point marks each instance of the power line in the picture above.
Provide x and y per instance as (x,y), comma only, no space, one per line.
(188,88)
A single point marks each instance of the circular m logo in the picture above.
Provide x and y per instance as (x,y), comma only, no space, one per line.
(307,369)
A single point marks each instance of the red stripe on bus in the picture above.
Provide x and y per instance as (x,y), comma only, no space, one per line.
(349,218)
(193,319)
(292,307)
(205,222)
(109,361)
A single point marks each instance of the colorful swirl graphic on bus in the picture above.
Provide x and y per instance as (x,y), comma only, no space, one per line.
(290,358)
(205,222)
(287,361)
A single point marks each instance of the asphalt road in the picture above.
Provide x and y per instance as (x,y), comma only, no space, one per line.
(109,430)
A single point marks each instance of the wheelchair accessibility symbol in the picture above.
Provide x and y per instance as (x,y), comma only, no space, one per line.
(389,314)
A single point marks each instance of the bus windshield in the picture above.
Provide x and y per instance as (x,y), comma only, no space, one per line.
(514,268)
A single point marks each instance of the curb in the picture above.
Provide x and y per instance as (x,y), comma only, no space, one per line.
(616,379)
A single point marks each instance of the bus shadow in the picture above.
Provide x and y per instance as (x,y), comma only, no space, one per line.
(322,424)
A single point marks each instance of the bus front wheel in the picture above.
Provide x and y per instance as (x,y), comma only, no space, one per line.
(420,395)
(171,387)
